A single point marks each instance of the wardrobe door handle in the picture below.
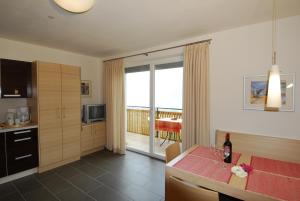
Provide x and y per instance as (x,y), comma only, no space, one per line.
(58,112)
(64,112)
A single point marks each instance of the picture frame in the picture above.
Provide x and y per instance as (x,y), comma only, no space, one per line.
(86,88)
(255,90)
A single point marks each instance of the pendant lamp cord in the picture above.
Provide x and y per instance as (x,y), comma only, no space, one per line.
(274,33)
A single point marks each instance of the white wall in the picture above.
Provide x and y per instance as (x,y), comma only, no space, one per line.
(91,67)
(247,51)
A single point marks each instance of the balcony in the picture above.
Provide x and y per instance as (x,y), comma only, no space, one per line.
(138,129)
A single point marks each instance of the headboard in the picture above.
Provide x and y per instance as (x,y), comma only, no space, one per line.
(264,146)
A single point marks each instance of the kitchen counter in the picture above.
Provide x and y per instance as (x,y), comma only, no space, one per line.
(6,128)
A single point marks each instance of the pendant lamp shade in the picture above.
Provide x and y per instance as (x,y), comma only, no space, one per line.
(274,88)
(75,6)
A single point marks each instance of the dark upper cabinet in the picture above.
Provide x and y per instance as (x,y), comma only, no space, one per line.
(16,79)
(3,171)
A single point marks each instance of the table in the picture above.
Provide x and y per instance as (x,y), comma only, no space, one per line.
(168,125)
(270,179)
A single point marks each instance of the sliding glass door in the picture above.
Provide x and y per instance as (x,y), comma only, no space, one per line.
(138,108)
(154,107)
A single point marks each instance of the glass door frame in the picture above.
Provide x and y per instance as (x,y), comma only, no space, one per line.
(152,131)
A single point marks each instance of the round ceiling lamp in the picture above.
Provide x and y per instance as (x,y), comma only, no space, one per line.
(75,6)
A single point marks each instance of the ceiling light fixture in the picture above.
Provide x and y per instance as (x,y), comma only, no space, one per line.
(274,84)
(75,6)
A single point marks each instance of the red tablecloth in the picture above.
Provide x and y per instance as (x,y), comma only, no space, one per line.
(167,124)
(278,179)
(203,161)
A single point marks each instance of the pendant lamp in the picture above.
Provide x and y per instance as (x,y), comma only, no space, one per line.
(273,101)
(75,6)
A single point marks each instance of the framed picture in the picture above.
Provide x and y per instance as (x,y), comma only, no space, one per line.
(255,92)
(86,88)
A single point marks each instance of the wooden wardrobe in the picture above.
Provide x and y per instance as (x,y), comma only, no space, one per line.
(59,117)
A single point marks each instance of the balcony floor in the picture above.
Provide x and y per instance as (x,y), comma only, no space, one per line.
(141,142)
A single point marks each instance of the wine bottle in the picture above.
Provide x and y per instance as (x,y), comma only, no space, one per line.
(227,149)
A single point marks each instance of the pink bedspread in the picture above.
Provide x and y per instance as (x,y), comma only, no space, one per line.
(203,161)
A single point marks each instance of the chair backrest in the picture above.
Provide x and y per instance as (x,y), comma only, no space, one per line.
(178,190)
(172,151)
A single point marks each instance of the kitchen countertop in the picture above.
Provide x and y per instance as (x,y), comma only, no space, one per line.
(6,128)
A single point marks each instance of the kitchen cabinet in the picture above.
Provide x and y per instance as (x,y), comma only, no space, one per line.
(3,171)
(58,100)
(22,150)
(93,137)
(18,151)
(16,79)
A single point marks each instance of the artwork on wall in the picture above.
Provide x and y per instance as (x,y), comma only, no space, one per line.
(255,91)
(86,88)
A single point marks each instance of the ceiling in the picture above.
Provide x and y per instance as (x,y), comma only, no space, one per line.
(117,26)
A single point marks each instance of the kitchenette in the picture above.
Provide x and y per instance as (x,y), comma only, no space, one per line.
(18,120)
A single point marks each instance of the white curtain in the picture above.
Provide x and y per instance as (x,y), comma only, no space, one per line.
(196,125)
(115,105)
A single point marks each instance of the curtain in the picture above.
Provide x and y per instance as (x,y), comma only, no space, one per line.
(196,125)
(115,105)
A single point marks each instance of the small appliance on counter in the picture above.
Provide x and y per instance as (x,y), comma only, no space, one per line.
(19,116)
(23,114)
(10,116)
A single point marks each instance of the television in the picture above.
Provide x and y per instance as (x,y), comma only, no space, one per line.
(93,112)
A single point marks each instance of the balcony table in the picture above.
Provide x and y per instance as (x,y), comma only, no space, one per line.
(168,125)
(269,180)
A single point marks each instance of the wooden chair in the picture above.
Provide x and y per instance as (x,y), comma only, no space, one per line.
(178,190)
(172,151)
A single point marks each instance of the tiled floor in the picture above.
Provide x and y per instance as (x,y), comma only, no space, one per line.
(101,176)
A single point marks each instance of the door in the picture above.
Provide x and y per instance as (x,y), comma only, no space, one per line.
(138,108)
(87,138)
(2,155)
(167,105)
(99,134)
(154,106)
(71,123)
(49,99)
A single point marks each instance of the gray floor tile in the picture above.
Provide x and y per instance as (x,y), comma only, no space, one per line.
(92,171)
(56,184)
(6,189)
(157,187)
(85,183)
(104,193)
(66,171)
(103,176)
(140,194)
(73,194)
(12,197)
(39,194)
(114,182)
(45,175)
(27,184)
(78,164)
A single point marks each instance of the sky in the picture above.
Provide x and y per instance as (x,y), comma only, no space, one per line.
(168,88)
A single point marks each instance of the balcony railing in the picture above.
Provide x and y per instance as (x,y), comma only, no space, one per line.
(138,120)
